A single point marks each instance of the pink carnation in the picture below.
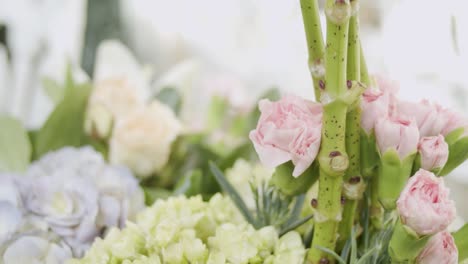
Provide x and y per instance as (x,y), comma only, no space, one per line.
(434,152)
(432,119)
(440,249)
(289,129)
(378,103)
(424,204)
(397,133)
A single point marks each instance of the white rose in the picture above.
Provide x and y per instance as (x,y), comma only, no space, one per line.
(142,140)
(110,100)
(35,250)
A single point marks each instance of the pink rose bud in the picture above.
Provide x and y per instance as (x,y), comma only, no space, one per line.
(289,129)
(440,249)
(397,133)
(377,103)
(432,119)
(434,152)
(424,204)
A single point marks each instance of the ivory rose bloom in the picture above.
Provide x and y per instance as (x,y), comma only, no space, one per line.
(440,249)
(142,140)
(110,100)
(434,152)
(397,133)
(424,204)
(432,118)
(289,129)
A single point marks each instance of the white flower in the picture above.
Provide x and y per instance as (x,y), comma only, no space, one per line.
(142,140)
(68,204)
(35,250)
(10,219)
(120,88)
(78,195)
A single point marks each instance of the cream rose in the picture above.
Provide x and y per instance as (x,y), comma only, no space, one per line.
(142,140)
(110,100)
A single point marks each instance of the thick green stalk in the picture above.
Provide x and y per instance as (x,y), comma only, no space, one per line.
(333,159)
(353,183)
(365,79)
(313,30)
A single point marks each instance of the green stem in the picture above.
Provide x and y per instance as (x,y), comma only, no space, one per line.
(333,159)
(313,30)
(364,72)
(353,183)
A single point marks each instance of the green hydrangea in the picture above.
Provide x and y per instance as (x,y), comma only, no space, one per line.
(189,230)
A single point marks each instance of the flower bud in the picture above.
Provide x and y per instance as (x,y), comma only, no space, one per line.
(433,152)
(424,204)
(440,249)
(397,133)
(289,129)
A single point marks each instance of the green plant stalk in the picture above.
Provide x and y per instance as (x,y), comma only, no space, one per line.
(353,183)
(364,72)
(461,240)
(313,30)
(333,159)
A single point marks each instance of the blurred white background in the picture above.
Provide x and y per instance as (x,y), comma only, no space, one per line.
(245,45)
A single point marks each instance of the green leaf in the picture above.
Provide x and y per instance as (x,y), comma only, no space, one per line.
(296,211)
(458,153)
(331,253)
(296,224)
(191,184)
(15,147)
(232,193)
(53,89)
(364,258)
(282,178)
(64,127)
(171,97)
(461,240)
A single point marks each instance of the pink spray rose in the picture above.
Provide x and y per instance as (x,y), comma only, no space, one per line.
(432,119)
(440,249)
(398,133)
(377,103)
(424,204)
(434,152)
(289,129)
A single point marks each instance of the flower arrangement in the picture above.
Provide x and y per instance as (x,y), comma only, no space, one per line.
(353,177)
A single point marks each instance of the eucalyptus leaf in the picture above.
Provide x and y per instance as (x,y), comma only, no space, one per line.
(15,147)
(331,253)
(64,127)
(171,97)
(232,193)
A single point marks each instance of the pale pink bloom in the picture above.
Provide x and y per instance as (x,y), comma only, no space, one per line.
(434,152)
(440,249)
(424,204)
(378,103)
(397,133)
(289,129)
(432,119)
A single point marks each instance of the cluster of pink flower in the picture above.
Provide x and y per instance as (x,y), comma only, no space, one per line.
(291,128)
(408,126)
